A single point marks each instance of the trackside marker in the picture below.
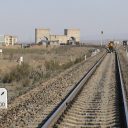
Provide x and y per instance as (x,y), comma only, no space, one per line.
(3,98)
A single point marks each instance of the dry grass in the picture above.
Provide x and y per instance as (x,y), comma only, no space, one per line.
(40,64)
(17,74)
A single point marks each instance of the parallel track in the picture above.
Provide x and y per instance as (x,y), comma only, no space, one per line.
(97,100)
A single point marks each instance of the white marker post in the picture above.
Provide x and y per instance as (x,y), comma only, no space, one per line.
(3,98)
(21,60)
(71,58)
(85,57)
(1,52)
(98,50)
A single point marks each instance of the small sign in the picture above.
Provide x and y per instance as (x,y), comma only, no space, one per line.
(3,98)
(0,50)
(102,32)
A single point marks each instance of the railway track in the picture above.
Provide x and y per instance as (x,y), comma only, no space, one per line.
(97,100)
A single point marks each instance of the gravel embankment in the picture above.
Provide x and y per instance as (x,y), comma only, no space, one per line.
(29,109)
(124,68)
(95,106)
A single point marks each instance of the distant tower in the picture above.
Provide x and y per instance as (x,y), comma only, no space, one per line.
(40,34)
(73,33)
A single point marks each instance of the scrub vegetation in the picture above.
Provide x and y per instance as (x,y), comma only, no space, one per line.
(39,64)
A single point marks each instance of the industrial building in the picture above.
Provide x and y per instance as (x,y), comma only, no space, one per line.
(43,36)
(7,40)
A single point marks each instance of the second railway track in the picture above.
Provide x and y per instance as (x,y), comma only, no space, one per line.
(98,104)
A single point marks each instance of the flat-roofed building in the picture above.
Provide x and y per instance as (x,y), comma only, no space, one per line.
(8,40)
(2,39)
(70,36)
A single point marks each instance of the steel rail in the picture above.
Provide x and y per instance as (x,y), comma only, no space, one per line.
(124,99)
(61,107)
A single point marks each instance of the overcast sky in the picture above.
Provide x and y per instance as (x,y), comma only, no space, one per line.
(21,17)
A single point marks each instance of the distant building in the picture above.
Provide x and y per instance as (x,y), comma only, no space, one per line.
(8,40)
(2,40)
(43,36)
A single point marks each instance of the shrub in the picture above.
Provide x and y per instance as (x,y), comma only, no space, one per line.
(18,73)
(11,56)
(25,82)
(77,60)
(67,65)
(51,65)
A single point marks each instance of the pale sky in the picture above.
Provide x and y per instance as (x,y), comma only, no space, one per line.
(21,17)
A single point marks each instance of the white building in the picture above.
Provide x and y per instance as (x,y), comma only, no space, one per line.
(8,40)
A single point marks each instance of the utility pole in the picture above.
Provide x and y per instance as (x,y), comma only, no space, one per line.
(101,43)
(127,49)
